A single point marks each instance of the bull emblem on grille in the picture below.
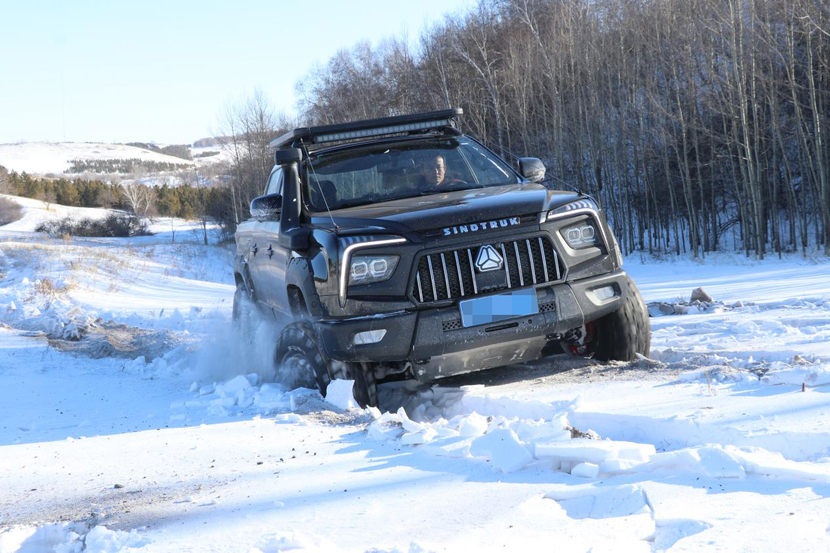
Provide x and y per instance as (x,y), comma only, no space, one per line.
(488,259)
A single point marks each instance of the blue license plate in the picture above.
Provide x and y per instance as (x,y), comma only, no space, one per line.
(491,309)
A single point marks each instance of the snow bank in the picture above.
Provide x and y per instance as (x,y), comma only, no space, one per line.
(484,428)
(714,461)
(810,374)
(68,537)
(279,542)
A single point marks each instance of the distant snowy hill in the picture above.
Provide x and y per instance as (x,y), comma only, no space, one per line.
(56,157)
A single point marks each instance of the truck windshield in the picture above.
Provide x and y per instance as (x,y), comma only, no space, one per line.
(384,172)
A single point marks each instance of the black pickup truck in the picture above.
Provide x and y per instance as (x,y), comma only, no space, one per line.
(402,248)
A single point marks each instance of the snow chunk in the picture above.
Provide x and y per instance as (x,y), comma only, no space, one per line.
(271,397)
(102,540)
(585,470)
(385,427)
(710,460)
(233,386)
(581,450)
(340,394)
(421,436)
(472,425)
(600,503)
(503,448)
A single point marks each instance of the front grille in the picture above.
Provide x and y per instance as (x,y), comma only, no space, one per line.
(452,274)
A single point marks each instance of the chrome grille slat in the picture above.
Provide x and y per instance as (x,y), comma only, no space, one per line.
(534,259)
(519,263)
(532,264)
(544,260)
(432,278)
(472,270)
(458,268)
(446,277)
(506,268)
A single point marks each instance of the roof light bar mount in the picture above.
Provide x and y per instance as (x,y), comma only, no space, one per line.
(419,122)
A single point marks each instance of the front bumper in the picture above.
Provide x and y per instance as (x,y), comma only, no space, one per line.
(436,344)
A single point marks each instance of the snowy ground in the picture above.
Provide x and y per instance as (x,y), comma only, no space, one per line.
(159,430)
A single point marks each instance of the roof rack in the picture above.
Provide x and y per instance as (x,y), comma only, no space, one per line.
(417,122)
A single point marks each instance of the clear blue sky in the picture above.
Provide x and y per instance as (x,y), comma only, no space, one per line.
(121,71)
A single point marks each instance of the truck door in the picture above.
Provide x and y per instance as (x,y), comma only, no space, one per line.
(256,236)
(271,260)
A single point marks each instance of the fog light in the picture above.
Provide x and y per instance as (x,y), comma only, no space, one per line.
(369,337)
(605,292)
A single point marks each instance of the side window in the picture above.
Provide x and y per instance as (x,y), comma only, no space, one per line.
(275,182)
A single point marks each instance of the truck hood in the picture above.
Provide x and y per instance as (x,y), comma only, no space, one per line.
(458,207)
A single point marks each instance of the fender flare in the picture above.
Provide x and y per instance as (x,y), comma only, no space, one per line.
(241,268)
(300,274)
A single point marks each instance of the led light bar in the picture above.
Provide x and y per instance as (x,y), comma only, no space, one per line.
(394,129)
(444,119)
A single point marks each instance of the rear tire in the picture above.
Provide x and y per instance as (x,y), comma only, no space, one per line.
(299,356)
(618,336)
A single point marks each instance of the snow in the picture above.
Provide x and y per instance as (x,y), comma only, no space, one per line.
(69,538)
(503,449)
(583,450)
(339,394)
(133,417)
(56,157)
(36,212)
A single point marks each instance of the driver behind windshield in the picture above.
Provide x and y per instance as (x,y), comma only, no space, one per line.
(434,172)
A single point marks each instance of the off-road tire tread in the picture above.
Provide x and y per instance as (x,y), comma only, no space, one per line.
(626,332)
(300,337)
(365,384)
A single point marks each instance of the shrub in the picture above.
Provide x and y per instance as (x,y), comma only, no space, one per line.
(115,225)
(10,211)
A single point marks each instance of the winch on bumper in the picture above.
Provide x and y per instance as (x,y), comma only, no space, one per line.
(437,344)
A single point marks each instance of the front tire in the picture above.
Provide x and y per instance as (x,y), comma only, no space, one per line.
(365,385)
(300,359)
(618,336)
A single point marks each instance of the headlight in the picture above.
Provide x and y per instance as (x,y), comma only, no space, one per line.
(585,203)
(366,269)
(581,235)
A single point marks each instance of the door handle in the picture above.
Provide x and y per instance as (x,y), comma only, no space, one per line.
(270,251)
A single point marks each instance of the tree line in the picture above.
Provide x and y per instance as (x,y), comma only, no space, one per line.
(122,166)
(186,201)
(699,125)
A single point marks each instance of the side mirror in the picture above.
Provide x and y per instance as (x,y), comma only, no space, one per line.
(267,207)
(532,169)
